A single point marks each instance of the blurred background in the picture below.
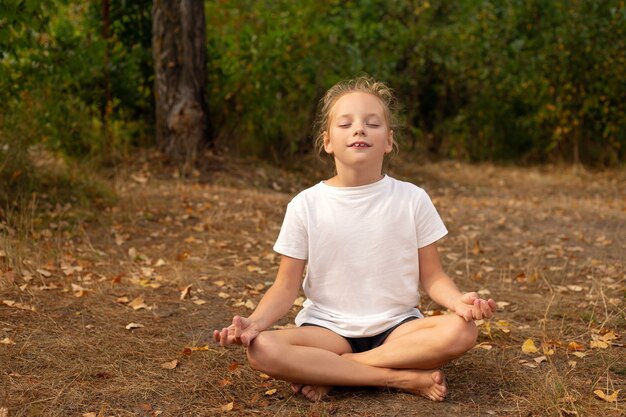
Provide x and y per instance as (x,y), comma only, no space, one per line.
(522,81)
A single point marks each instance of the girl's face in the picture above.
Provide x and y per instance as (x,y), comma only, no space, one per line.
(358,132)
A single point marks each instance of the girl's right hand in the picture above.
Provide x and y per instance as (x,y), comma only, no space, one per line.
(241,332)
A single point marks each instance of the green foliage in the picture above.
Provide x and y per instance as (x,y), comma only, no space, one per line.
(53,83)
(505,80)
(512,80)
(271,61)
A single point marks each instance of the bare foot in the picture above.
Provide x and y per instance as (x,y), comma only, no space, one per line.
(430,384)
(315,392)
(311,392)
(296,387)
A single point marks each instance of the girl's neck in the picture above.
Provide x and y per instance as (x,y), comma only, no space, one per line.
(353,178)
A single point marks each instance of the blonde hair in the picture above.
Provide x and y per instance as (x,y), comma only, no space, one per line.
(363,84)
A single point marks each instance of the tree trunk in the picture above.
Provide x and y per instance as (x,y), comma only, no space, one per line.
(106,108)
(179,52)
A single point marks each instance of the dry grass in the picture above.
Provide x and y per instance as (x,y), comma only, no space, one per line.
(548,242)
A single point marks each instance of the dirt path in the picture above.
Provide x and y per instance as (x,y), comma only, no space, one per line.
(98,311)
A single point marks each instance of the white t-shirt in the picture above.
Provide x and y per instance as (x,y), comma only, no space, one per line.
(361,245)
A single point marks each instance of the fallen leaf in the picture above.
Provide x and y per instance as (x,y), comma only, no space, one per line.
(233,366)
(540,359)
(122,300)
(69,270)
(199,302)
(228,407)
(79,291)
(250,304)
(219,283)
(146,283)
(21,306)
(160,262)
(186,292)
(524,362)
(579,354)
(147,272)
(270,391)
(146,406)
(608,398)
(298,301)
(608,336)
(131,326)
(85,415)
(599,344)
(224,382)
(199,348)
(6,341)
(575,346)
(170,365)
(223,295)
(44,272)
(138,303)
(529,346)
(264,376)
(575,288)
(139,178)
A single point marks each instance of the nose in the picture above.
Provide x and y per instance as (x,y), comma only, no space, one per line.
(358,131)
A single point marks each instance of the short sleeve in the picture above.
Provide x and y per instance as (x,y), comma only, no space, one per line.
(428,224)
(293,237)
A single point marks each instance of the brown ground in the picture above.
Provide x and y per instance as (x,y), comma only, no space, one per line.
(547,243)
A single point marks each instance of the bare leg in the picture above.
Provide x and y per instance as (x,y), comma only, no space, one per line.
(312,356)
(422,344)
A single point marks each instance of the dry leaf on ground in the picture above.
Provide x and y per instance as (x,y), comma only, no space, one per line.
(6,341)
(608,398)
(228,407)
(21,306)
(574,346)
(186,292)
(170,365)
(131,326)
(138,303)
(529,346)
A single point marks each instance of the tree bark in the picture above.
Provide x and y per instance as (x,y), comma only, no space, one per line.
(106,108)
(179,52)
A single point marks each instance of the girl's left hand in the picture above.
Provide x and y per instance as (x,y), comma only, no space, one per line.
(471,307)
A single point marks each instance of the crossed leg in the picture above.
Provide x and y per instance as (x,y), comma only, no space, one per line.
(315,358)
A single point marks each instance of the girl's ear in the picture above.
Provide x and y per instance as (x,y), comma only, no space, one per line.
(390,141)
(328,147)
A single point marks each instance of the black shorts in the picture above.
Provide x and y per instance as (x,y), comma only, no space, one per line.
(362,344)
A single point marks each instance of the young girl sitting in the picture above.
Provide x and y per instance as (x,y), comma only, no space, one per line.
(367,241)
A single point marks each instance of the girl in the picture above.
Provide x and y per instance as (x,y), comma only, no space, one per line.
(367,241)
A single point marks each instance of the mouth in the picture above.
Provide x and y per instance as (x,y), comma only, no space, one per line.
(359,145)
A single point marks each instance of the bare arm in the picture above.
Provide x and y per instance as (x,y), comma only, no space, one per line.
(275,303)
(279,298)
(441,289)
